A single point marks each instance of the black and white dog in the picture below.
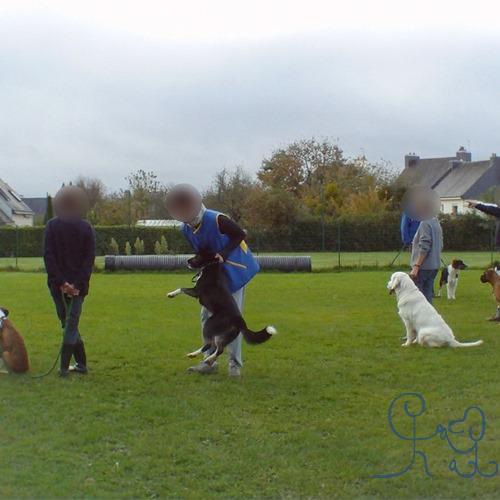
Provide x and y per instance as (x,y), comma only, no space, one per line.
(226,322)
(449,277)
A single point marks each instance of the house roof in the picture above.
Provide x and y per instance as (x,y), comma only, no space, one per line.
(427,172)
(462,178)
(38,205)
(12,201)
(451,177)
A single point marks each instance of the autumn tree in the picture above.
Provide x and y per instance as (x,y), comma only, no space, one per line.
(229,192)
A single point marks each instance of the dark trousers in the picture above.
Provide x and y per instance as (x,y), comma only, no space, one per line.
(69,311)
(425,282)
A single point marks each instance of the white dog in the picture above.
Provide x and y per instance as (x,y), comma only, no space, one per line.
(423,323)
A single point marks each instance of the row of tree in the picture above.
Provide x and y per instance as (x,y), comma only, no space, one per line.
(306,179)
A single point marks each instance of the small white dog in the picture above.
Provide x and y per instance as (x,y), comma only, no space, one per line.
(423,323)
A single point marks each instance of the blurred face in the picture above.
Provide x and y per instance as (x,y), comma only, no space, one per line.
(71,203)
(421,203)
(184,203)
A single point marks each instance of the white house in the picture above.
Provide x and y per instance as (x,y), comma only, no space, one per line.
(456,179)
(13,210)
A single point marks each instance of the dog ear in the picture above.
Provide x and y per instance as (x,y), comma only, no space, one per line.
(393,284)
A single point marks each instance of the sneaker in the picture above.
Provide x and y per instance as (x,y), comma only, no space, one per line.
(203,368)
(76,368)
(234,371)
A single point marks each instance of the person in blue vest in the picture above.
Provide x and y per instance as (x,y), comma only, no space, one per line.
(211,231)
(409,227)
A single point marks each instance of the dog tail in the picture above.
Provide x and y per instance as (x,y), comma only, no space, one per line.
(258,337)
(456,343)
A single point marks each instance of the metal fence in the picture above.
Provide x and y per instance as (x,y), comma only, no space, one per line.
(333,246)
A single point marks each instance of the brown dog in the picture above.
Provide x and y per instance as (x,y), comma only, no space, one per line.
(493,278)
(14,353)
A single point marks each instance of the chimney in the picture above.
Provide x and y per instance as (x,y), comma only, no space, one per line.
(411,160)
(463,154)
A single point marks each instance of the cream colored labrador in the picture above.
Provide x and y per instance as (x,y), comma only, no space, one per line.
(423,323)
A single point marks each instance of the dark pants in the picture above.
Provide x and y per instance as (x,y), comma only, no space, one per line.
(425,282)
(69,312)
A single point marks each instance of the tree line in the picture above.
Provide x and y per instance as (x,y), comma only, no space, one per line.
(305,180)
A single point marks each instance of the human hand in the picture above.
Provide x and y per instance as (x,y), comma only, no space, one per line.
(69,289)
(220,258)
(471,203)
(414,272)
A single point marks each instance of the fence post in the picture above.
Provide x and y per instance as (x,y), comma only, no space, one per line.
(17,248)
(338,243)
(323,235)
(492,239)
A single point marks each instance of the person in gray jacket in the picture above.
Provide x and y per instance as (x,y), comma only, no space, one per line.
(426,255)
(422,204)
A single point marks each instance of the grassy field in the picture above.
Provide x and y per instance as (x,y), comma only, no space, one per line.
(321,260)
(307,419)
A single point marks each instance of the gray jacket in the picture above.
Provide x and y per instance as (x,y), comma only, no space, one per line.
(428,240)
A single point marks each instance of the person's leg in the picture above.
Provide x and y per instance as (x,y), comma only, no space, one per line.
(73,311)
(234,348)
(203,367)
(419,281)
(428,277)
(60,307)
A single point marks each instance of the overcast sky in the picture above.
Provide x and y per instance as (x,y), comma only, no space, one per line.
(103,88)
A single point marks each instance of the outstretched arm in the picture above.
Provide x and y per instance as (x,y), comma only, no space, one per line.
(487,208)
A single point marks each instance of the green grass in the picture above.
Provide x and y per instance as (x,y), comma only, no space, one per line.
(321,260)
(307,419)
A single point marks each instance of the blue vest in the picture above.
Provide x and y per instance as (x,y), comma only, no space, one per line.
(240,264)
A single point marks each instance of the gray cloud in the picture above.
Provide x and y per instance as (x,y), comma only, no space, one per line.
(76,100)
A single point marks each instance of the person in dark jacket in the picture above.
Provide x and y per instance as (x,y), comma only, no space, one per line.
(490,209)
(69,254)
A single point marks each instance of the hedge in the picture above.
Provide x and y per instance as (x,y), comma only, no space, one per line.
(467,232)
(30,239)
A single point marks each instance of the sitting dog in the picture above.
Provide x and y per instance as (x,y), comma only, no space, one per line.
(492,277)
(14,355)
(449,277)
(423,323)
(226,321)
